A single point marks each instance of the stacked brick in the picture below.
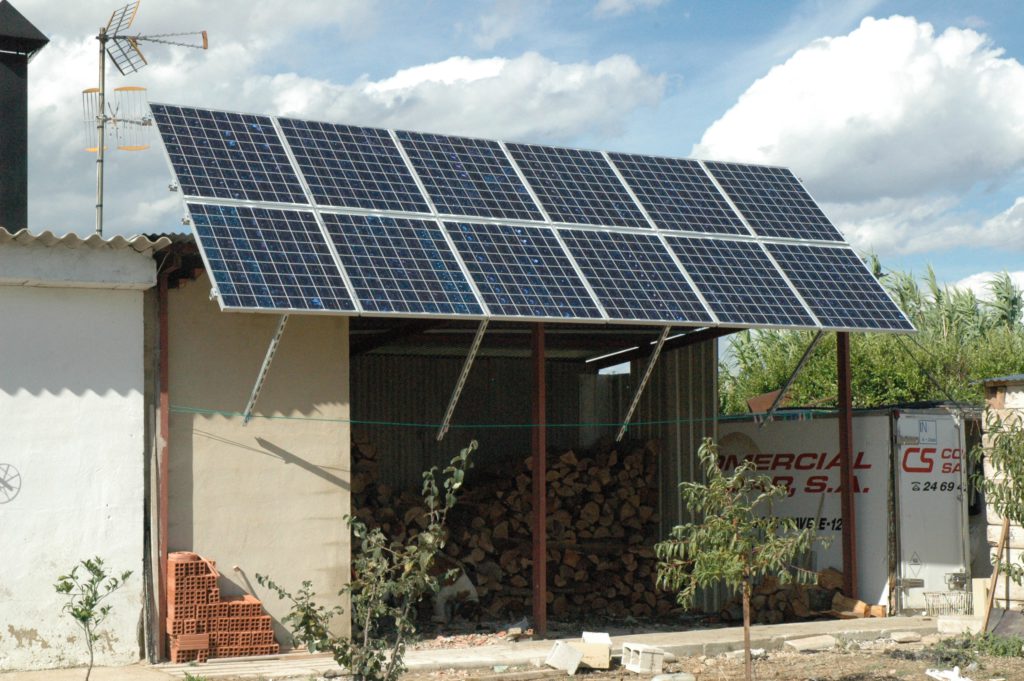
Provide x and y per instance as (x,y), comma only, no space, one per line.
(201,625)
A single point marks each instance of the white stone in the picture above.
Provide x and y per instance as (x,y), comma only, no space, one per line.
(905,637)
(812,644)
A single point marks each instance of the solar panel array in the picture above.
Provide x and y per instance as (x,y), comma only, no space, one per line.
(304,216)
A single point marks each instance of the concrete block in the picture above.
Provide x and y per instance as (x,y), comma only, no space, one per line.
(595,655)
(642,659)
(563,656)
(812,644)
(905,637)
(958,624)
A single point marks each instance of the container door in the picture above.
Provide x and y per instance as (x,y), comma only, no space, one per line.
(930,484)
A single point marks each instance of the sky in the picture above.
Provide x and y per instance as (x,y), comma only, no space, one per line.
(905,120)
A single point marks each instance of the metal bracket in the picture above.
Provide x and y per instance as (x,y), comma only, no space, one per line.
(792,377)
(466,366)
(271,351)
(643,382)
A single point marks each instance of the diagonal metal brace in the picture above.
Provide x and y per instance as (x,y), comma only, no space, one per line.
(792,377)
(643,382)
(466,366)
(271,350)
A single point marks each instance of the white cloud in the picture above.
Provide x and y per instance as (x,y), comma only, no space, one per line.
(890,126)
(979,282)
(614,8)
(530,97)
(890,110)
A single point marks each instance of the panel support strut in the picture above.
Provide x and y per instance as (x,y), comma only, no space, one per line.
(271,351)
(792,377)
(466,366)
(643,382)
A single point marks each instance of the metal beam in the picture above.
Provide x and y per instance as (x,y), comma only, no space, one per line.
(267,360)
(539,487)
(643,382)
(792,377)
(846,484)
(390,336)
(673,343)
(466,366)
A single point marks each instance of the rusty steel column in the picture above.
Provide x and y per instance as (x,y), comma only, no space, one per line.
(540,498)
(163,466)
(846,483)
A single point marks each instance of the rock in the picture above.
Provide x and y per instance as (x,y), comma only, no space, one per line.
(334,673)
(905,637)
(811,644)
(678,676)
(755,654)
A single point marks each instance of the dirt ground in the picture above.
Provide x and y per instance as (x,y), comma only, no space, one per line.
(880,660)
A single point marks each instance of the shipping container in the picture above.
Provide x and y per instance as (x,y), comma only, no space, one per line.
(911,493)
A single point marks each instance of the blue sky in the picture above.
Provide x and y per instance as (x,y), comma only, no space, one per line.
(904,119)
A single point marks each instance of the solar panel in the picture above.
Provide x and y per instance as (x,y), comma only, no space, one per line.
(353,167)
(266,258)
(740,282)
(678,194)
(401,265)
(634,277)
(577,186)
(773,201)
(839,288)
(466,176)
(522,271)
(227,155)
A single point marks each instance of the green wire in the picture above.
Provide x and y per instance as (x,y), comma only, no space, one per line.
(789,415)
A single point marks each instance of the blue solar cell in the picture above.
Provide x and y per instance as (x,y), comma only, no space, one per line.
(227,155)
(401,265)
(740,282)
(634,277)
(353,167)
(839,288)
(773,201)
(266,258)
(678,194)
(522,271)
(466,176)
(577,186)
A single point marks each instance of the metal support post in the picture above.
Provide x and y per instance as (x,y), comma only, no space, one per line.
(271,351)
(466,366)
(101,123)
(643,382)
(540,495)
(792,377)
(846,484)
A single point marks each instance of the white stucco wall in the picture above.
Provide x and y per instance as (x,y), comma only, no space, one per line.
(71,423)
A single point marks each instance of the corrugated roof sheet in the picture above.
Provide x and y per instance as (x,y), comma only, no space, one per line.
(1012,378)
(140,243)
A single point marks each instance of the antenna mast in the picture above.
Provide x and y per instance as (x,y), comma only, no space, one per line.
(127,57)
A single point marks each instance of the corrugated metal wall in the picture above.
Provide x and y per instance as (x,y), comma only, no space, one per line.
(678,408)
(410,389)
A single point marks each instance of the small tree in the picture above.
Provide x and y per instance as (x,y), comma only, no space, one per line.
(85,594)
(735,542)
(388,580)
(1004,485)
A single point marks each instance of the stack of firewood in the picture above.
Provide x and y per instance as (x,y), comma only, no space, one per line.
(602,525)
(772,602)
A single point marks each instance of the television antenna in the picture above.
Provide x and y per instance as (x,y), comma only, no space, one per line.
(128,114)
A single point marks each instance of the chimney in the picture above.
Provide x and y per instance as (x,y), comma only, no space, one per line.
(19,42)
